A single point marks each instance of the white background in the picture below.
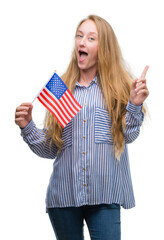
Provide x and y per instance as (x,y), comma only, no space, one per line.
(37,37)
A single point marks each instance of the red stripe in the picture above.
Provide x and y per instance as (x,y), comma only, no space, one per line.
(68,105)
(41,94)
(50,111)
(70,94)
(71,103)
(44,90)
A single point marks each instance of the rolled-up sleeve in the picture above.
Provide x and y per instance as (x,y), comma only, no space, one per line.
(38,142)
(133,118)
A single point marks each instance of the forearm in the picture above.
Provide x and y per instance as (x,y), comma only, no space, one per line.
(134,118)
(38,142)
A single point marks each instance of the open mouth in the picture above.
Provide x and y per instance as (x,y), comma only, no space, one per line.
(83,55)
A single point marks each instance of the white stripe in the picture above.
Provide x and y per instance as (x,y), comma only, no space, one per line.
(53,96)
(72,98)
(72,114)
(53,110)
(67,99)
(46,96)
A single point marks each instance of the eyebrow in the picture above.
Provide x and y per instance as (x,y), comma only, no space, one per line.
(89,32)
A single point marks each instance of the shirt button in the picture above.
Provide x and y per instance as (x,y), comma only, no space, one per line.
(83,152)
(84,120)
(84,185)
(84,137)
(83,169)
(87,90)
(85,104)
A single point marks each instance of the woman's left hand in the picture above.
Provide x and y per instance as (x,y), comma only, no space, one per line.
(139,91)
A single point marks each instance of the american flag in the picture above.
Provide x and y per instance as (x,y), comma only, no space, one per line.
(57,98)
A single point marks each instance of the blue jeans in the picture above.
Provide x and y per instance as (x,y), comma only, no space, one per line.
(103,222)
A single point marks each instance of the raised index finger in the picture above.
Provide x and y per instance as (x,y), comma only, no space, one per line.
(143,75)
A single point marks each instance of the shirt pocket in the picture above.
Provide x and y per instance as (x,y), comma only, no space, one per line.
(67,135)
(102,127)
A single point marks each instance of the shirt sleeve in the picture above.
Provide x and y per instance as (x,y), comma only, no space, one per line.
(133,118)
(38,142)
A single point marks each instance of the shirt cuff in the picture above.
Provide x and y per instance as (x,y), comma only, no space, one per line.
(28,128)
(134,108)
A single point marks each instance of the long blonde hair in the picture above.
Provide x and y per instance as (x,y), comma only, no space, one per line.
(113,79)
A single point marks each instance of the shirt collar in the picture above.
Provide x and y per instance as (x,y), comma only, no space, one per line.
(93,81)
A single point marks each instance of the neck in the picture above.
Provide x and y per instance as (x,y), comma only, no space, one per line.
(86,77)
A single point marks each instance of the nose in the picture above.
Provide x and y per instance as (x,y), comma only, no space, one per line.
(83,41)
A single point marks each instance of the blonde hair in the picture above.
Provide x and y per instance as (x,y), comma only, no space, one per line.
(113,79)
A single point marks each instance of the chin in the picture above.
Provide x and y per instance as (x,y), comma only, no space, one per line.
(82,67)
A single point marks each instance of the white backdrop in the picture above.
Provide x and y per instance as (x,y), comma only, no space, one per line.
(37,37)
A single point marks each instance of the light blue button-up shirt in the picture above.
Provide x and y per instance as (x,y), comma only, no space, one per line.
(86,171)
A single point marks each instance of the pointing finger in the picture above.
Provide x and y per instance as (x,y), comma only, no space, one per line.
(143,75)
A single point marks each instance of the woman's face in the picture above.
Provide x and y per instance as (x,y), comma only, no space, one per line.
(86,46)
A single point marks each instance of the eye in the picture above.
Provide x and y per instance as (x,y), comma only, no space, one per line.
(91,38)
(79,36)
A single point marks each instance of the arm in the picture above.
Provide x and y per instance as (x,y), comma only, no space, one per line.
(34,137)
(38,141)
(133,118)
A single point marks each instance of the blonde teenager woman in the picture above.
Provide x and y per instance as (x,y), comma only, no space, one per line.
(91,177)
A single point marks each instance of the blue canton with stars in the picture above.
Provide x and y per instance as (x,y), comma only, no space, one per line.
(56,86)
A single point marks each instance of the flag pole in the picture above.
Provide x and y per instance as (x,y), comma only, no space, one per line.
(42,88)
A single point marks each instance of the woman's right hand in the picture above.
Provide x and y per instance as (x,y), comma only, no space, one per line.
(23,114)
